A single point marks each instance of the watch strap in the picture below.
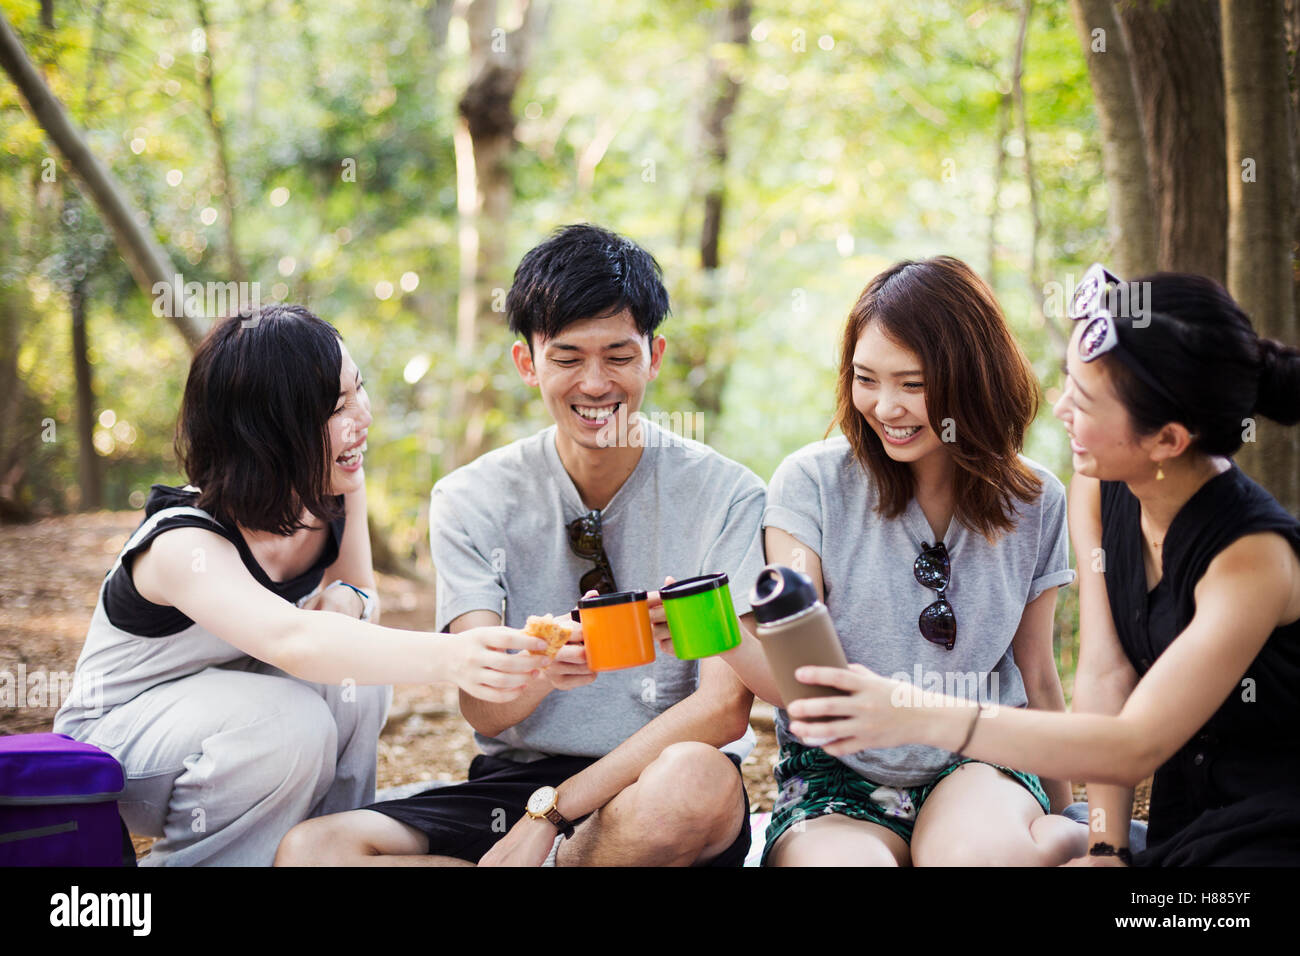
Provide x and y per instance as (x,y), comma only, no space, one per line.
(561,824)
(1102,848)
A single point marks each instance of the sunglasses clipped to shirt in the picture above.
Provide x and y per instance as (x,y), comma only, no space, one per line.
(933,570)
(587,542)
(1100,335)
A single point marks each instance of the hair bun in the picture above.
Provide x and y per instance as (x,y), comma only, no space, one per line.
(1279,382)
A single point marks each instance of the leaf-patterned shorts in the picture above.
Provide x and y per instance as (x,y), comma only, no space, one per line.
(815,784)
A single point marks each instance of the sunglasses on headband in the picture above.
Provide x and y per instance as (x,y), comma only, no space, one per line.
(1099,336)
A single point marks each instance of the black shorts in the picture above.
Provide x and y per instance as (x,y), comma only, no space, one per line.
(465,820)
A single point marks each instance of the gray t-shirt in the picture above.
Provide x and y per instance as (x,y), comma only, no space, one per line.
(497,527)
(824,498)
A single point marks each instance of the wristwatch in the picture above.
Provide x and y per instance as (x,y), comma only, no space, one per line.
(541,806)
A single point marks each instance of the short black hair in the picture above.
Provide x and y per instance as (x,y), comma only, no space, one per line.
(582,272)
(253,433)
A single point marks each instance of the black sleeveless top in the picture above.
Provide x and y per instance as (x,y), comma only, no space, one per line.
(1231,793)
(129,611)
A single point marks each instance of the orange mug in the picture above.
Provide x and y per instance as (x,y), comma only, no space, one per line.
(616,630)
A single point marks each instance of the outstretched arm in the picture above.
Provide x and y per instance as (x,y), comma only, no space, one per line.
(1247,591)
(219,594)
(748,660)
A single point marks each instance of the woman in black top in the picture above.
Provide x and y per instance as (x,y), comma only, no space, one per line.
(1189,666)
(236,709)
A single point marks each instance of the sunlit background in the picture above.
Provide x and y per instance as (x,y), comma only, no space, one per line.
(859,136)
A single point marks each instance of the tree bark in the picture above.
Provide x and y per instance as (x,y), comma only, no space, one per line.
(147,260)
(90,103)
(21,417)
(437,18)
(1031,181)
(225,182)
(1291,14)
(1261,212)
(1131,210)
(704,356)
(497,62)
(89,476)
(1001,132)
(484,142)
(1177,66)
(733,30)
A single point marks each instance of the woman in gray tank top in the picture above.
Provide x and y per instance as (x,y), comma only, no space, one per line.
(234,665)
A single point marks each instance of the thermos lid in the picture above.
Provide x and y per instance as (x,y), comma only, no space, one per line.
(695,585)
(781,592)
(618,597)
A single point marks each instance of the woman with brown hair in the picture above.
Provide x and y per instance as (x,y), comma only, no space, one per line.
(1189,606)
(923,515)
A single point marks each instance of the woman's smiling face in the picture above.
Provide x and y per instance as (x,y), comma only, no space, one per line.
(349,426)
(1102,442)
(889,393)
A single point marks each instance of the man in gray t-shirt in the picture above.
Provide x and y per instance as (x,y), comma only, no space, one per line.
(496,523)
(635,766)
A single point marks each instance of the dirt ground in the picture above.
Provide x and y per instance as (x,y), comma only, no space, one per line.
(50,572)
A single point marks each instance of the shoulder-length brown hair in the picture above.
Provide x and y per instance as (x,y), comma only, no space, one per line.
(980,391)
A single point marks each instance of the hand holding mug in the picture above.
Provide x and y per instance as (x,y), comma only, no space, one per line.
(659,619)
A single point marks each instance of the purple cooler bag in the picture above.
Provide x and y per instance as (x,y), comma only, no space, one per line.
(58,803)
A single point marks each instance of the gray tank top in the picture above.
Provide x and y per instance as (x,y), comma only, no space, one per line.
(115,666)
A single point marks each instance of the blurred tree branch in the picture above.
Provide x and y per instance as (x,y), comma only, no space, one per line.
(147,260)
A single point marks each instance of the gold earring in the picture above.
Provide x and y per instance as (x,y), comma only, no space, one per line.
(1160,473)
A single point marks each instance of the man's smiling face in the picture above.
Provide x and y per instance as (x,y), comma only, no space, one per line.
(592,375)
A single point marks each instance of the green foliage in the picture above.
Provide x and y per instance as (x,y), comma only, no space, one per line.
(862,134)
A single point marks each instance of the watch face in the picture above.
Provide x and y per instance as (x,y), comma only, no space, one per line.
(541,800)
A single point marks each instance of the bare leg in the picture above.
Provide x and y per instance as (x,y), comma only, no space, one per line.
(358,838)
(978,816)
(837,840)
(685,808)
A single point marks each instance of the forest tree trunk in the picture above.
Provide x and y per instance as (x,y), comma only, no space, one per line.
(1177,64)
(1261,211)
(484,140)
(89,474)
(733,30)
(705,353)
(225,184)
(1130,211)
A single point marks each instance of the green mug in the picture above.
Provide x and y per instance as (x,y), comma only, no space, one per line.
(701,617)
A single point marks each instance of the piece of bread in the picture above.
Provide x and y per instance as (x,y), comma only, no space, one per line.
(554,631)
